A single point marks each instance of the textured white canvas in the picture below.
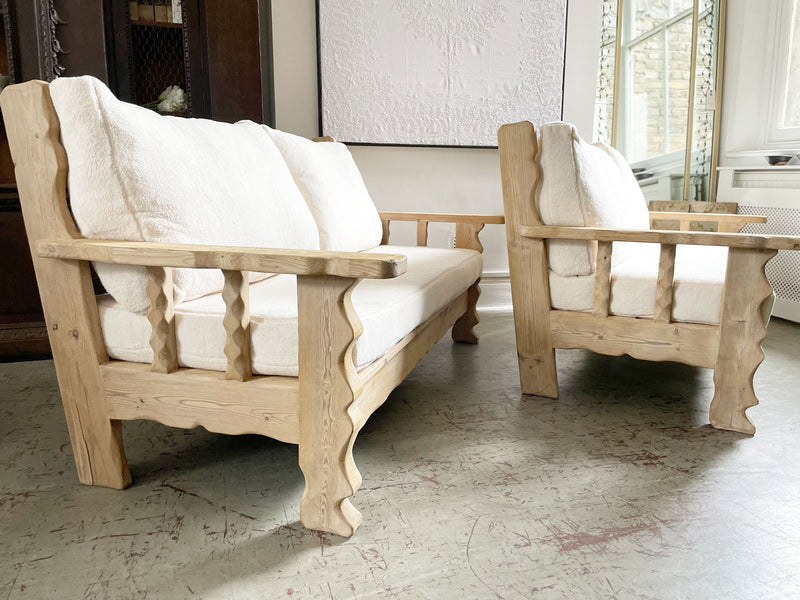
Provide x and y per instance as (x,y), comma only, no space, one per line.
(439,72)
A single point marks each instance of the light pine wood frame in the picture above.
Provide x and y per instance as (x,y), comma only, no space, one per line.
(321,410)
(732,348)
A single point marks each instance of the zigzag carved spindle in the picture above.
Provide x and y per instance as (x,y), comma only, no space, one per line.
(236,295)
(161,315)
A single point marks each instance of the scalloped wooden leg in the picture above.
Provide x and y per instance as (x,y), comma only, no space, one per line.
(743,326)
(463,329)
(329,383)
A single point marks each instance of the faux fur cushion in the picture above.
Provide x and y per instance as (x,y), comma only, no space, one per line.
(586,185)
(136,175)
(334,190)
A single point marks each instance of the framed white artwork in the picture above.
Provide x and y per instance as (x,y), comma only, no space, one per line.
(438,72)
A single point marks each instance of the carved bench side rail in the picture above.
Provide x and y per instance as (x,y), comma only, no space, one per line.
(726,223)
(158,259)
(464,222)
(468,228)
(732,348)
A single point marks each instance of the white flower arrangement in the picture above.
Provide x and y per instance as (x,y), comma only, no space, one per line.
(171,100)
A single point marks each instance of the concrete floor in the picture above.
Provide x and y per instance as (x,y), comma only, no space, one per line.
(619,489)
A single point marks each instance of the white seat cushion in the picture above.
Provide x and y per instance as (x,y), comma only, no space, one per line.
(139,176)
(699,280)
(333,188)
(585,185)
(389,309)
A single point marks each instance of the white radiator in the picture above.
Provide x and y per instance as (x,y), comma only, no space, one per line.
(775,194)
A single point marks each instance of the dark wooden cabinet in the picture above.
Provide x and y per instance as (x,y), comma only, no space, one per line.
(220,53)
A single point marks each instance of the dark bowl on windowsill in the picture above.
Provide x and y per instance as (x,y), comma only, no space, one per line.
(778,159)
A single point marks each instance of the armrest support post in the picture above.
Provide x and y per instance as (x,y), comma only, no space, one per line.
(662,312)
(161,315)
(236,294)
(602,280)
(328,385)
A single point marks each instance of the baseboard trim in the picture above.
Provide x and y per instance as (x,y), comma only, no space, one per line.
(786,309)
(495,292)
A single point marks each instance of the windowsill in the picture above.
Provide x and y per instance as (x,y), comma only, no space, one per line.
(764,169)
(785,151)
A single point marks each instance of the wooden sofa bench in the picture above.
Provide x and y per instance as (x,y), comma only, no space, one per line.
(321,407)
(587,272)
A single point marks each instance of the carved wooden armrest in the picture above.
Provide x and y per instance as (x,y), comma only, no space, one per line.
(727,223)
(336,274)
(358,265)
(743,265)
(467,226)
(691,238)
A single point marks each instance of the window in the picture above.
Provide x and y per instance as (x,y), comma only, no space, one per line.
(782,126)
(791,109)
(660,94)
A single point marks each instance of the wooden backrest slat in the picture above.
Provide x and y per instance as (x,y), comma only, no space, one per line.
(422,233)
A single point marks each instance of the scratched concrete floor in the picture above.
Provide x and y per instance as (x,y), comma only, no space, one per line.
(617,490)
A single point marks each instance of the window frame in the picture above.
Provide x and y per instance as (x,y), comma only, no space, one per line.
(626,87)
(784,13)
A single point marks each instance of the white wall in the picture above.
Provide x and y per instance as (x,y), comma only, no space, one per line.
(426,179)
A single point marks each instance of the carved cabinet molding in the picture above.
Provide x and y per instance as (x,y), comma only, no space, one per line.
(50,48)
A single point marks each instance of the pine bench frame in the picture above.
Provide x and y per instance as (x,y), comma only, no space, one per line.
(732,348)
(321,410)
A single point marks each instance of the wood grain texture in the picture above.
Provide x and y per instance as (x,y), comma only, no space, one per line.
(530,284)
(746,304)
(231,258)
(236,294)
(689,238)
(422,233)
(662,311)
(467,236)
(191,398)
(724,223)
(65,287)
(730,208)
(688,343)
(443,218)
(328,386)
(161,315)
(602,280)
(464,328)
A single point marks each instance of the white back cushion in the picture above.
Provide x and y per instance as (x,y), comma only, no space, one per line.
(135,175)
(585,185)
(334,191)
